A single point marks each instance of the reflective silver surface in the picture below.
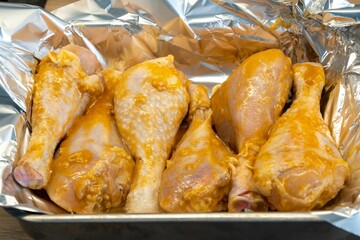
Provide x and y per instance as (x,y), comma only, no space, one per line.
(208,39)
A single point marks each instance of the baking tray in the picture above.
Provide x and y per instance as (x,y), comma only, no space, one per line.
(200,226)
(236,29)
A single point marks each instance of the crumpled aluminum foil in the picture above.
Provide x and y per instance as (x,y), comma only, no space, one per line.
(208,39)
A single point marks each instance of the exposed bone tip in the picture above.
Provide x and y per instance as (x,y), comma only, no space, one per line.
(250,200)
(29,177)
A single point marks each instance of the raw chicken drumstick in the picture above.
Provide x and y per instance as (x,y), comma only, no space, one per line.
(244,108)
(151,101)
(300,168)
(63,84)
(94,170)
(198,176)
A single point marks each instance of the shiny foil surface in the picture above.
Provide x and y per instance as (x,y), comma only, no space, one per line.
(208,40)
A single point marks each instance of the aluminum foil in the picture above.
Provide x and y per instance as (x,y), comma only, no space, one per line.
(208,39)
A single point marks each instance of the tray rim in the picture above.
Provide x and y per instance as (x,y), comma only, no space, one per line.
(167,217)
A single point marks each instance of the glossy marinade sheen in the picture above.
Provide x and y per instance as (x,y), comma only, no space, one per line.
(151,100)
(64,82)
(300,168)
(198,175)
(244,108)
(93,170)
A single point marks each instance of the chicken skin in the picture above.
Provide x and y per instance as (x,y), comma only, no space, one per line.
(300,168)
(94,170)
(198,177)
(245,107)
(151,101)
(64,82)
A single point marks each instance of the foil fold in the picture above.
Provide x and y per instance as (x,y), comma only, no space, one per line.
(208,40)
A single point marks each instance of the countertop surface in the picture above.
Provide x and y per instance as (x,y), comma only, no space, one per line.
(9,226)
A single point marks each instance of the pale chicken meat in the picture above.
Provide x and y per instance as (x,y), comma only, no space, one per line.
(93,170)
(64,82)
(151,101)
(199,98)
(198,176)
(300,168)
(244,108)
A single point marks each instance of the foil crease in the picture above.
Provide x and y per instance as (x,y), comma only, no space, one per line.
(338,50)
(208,39)
(335,13)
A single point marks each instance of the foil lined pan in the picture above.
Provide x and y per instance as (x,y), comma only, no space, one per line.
(208,39)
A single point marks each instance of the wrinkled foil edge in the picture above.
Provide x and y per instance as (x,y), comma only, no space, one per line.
(312,27)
